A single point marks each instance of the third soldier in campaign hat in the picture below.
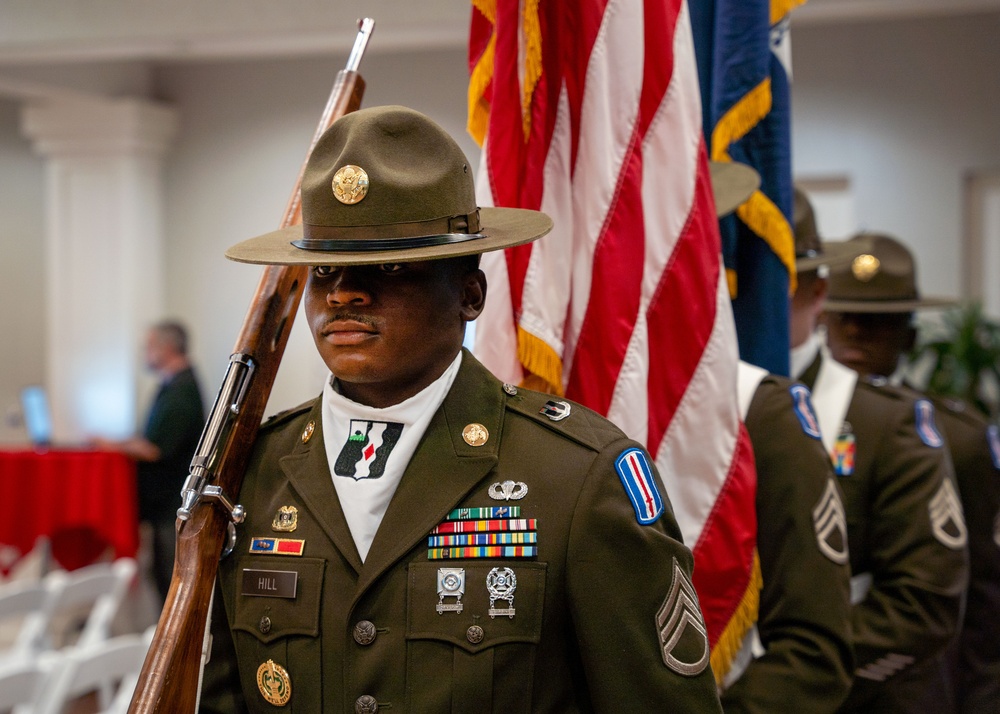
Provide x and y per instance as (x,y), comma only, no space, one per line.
(905,527)
(869,317)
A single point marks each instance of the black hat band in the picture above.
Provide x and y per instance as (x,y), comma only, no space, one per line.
(397,236)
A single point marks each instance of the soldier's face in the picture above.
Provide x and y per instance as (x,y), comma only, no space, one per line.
(869,343)
(387,331)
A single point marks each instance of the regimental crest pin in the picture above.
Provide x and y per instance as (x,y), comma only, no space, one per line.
(681,629)
(947,520)
(556,410)
(926,428)
(802,404)
(451,584)
(830,521)
(501,584)
(286,519)
(274,683)
(508,491)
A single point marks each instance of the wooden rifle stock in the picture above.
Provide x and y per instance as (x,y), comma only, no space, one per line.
(170,677)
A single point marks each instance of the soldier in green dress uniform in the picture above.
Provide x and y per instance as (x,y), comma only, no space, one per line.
(421,537)
(906,530)
(869,317)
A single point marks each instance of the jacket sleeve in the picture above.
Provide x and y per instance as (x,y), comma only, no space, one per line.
(917,556)
(975,656)
(640,632)
(804,613)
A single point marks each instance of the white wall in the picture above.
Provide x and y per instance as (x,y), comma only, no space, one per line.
(22,274)
(904,110)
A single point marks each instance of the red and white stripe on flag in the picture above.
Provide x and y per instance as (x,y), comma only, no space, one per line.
(590,112)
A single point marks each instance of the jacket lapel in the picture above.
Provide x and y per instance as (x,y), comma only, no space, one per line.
(308,471)
(443,469)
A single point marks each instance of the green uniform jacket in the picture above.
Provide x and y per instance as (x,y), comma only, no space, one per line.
(805,607)
(975,657)
(599,613)
(912,609)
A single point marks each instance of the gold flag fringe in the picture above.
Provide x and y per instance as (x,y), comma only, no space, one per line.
(744,617)
(541,361)
(482,74)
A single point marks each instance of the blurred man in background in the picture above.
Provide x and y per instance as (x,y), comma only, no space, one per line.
(164,449)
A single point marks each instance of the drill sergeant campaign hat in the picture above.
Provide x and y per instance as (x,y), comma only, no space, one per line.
(387,184)
(812,253)
(880,277)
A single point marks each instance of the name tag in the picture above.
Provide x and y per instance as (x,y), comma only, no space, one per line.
(270,583)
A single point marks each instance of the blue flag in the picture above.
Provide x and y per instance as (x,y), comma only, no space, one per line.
(741,48)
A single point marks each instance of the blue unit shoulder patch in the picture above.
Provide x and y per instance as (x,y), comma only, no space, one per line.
(639,480)
(802,404)
(993,438)
(926,428)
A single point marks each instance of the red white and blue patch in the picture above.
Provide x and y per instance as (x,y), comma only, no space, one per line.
(993,439)
(926,428)
(802,404)
(637,476)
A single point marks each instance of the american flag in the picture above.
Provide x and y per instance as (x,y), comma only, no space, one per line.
(590,111)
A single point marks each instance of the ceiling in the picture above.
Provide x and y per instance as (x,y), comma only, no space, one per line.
(60,31)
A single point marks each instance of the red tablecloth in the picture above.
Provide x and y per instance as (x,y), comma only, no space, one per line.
(82,501)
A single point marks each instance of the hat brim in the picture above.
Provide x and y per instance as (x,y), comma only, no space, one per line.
(732,184)
(835,253)
(499,228)
(888,306)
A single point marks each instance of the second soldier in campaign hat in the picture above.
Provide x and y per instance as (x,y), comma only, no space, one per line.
(906,532)
(422,537)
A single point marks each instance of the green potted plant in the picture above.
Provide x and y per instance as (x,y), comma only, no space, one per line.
(959,356)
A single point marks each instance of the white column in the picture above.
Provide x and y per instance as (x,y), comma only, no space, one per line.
(105,254)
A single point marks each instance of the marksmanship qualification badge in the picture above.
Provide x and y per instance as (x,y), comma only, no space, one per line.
(501,583)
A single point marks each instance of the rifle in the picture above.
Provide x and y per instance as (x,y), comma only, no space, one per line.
(169,681)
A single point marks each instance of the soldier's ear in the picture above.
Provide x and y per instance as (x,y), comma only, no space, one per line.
(473,294)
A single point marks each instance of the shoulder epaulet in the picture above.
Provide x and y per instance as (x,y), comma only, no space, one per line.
(285,416)
(562,416)
(883,386)
(961,410)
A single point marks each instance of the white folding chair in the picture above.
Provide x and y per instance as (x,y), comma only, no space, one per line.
(23,684)
(122,700)
(96,589)
(24,600)
(104,667)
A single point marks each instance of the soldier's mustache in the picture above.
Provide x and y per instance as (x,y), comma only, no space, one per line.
(345,316)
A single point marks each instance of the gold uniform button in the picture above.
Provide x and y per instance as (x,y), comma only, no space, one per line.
(475,634)
(365,704)
(364,633)
(475,434)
